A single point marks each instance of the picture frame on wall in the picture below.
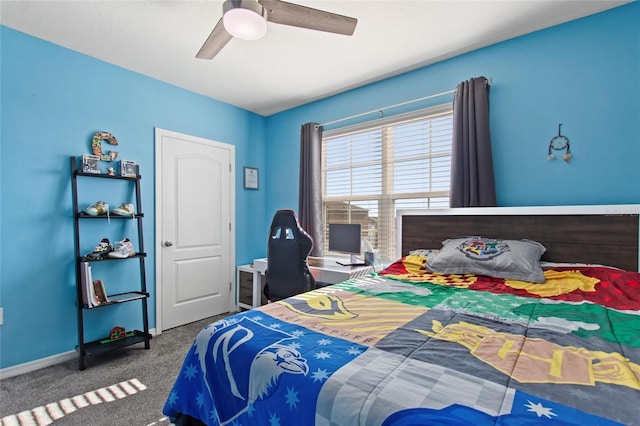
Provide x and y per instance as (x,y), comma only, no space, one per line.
(251,178)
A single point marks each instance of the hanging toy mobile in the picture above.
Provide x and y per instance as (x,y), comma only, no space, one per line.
(559,143)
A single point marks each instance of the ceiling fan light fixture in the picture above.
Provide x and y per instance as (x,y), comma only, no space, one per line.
(245,19)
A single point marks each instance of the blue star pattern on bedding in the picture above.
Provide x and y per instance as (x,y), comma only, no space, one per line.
(523,412)
(262,368)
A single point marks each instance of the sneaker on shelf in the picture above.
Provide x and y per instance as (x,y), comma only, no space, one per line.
(125,209)
(101,250)
(122,249)
(97,209)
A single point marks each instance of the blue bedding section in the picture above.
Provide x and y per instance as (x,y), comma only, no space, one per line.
(262,368)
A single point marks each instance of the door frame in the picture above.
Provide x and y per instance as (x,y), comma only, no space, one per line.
(159,287)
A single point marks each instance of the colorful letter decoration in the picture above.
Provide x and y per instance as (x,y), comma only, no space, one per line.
(96,145)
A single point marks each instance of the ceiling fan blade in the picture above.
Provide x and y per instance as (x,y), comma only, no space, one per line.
(218,38)
(281,12)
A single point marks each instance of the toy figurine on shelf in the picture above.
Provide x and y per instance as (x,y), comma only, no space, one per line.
(117,332)
(90,164)
(111,171)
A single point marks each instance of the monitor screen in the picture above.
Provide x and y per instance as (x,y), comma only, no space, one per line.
(344,237)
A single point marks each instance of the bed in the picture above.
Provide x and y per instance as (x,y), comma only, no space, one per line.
(410,345)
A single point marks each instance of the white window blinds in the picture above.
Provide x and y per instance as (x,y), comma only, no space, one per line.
(370,170)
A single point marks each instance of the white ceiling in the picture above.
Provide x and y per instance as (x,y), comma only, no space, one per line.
(289,66)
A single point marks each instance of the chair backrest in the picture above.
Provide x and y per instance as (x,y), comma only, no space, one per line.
(287,250)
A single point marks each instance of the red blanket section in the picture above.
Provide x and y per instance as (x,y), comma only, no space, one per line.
(614,288)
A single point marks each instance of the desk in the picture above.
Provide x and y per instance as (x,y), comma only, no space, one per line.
(323,269)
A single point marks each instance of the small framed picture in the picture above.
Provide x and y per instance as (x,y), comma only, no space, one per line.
(250,178)
(128,168)
(90,164)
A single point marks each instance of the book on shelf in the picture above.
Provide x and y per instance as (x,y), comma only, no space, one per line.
(100,292)
(84,278)
(86,281)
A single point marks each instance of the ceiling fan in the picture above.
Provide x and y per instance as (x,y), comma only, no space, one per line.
(247,20)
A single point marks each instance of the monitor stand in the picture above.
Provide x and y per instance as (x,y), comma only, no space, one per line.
(353,261)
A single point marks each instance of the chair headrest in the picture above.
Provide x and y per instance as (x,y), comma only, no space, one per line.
(287,219)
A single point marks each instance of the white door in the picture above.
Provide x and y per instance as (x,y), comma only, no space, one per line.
(194,214)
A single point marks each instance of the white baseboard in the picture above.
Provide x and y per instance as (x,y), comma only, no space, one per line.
(28,367)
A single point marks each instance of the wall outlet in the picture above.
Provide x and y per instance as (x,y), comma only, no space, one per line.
(1,316)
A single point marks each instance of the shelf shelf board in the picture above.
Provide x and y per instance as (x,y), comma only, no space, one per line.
(83,215)
(97,347)
(106,176)
(107,258)
(121,298)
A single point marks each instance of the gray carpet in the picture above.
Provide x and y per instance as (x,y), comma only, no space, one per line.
(66,395)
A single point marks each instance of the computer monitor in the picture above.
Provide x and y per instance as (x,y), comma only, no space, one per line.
(345,238)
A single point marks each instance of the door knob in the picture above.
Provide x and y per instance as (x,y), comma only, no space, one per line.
(168,243)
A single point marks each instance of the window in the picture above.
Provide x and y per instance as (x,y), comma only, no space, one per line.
(372,169)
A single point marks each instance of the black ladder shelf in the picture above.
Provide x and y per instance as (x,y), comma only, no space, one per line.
(101,346)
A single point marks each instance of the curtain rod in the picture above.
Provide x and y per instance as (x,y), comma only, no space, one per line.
(380,110)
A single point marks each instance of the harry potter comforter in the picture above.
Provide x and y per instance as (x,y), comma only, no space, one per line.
(409,347)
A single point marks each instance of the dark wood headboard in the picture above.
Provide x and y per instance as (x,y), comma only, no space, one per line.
(607,235)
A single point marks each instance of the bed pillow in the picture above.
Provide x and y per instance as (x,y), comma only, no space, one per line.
(510,259)
(425,252)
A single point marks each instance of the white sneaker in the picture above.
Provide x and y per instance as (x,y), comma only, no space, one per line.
(97,209)
(125,209)
(123,249)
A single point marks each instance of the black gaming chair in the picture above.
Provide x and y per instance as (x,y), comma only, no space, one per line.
(287,250)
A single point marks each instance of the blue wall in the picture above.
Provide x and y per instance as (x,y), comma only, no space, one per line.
(53,101)
(583,74)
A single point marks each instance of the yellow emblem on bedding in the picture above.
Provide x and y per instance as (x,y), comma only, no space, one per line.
(557,283)
(339,313)
(318,305)
(536,360)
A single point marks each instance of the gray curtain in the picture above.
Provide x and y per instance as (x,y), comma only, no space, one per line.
(472,181)
(310,196)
